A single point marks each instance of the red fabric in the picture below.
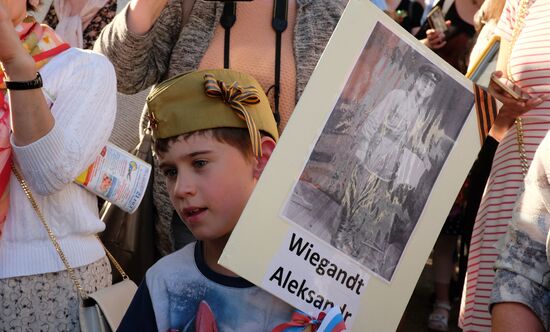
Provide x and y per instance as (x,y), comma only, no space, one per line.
(300,319)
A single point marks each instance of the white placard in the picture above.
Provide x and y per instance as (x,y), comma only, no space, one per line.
(367,188)
(312,277)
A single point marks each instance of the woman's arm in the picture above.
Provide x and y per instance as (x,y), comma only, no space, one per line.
(141,57)
(142,14)
(504,120)
(513,317)
(31,118)
(82,86)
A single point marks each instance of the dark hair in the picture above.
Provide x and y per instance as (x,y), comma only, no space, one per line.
(236,137)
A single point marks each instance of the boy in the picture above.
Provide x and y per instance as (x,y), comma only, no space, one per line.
(214,133)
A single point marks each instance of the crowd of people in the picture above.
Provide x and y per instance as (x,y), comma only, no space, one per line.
(59,83)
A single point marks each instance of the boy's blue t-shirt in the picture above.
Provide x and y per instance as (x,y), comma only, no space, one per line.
(180,292)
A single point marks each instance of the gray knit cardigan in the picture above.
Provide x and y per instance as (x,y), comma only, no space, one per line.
(176,43)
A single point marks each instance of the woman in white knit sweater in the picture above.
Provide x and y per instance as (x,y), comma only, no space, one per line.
(57,129)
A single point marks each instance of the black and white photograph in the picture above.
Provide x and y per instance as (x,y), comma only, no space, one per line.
(370,172)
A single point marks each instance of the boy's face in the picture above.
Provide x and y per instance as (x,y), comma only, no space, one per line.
(209,183)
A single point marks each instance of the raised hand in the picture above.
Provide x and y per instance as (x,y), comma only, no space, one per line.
(13,57)
(31,118)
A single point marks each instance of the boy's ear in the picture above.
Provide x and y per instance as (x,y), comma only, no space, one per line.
(268,145)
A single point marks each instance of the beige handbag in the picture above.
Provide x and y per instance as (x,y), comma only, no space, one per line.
(103,310)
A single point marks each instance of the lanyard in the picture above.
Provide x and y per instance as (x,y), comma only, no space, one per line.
(279,23)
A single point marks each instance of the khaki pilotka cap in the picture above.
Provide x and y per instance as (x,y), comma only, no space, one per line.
(432,72)
(209,99)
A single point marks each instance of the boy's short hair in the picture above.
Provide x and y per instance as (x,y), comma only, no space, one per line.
(236,137)
(211,100)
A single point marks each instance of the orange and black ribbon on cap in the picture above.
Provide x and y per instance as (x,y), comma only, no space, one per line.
(236,97)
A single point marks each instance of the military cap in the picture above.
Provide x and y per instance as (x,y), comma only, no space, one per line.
(430,71)
(209,99)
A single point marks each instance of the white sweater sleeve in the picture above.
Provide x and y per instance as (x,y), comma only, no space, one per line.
(83,88)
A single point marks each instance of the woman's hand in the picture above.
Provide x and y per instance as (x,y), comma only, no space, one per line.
(4,14)
(16,62)
(520,105)
(7,50)
(435,39)
(30,115)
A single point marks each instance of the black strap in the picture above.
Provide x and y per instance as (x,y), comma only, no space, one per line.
(229,16)
(35,83)
(279,24)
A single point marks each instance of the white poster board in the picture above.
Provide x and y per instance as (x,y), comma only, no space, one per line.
(358,188)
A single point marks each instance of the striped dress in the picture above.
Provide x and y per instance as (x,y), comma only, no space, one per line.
(530,67)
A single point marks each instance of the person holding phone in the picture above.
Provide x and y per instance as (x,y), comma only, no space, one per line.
(436,20)
(523,61)
(152,40)
(452,43)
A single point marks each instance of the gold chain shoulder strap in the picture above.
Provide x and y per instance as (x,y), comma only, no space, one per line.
(53,239)
(518,26)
